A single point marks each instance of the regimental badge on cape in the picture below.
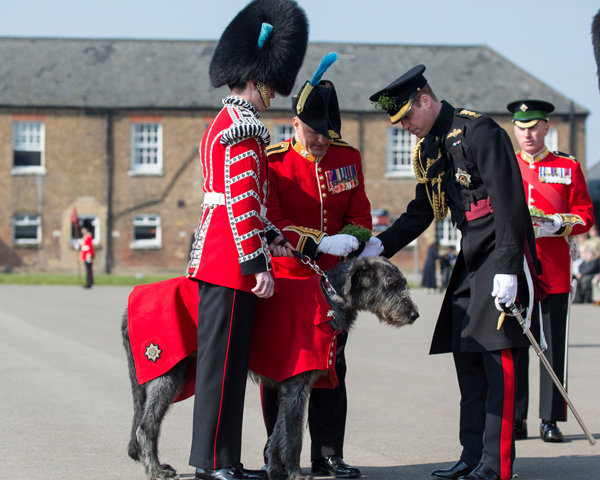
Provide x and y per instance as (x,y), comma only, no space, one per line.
(152,352)
(342,179)
(463,178)
(555,175)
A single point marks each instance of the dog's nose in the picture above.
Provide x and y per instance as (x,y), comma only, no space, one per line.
(414,315)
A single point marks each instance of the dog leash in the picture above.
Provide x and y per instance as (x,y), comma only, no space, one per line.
(328,287)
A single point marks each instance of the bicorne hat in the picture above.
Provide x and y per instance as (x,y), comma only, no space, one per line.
(316,104)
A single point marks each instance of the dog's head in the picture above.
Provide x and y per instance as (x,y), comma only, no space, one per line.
(376,285)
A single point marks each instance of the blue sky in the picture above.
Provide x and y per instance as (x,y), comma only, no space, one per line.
(549,39)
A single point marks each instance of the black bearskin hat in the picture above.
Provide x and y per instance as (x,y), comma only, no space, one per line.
(596,42)
(238,58)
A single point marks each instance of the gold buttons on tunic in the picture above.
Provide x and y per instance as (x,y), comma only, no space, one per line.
(324,220)
(324,212)
(324,195)
(324,229)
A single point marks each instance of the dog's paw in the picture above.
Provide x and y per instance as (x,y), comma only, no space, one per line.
(165,472)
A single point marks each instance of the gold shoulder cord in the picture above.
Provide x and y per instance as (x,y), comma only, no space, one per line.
(437,200)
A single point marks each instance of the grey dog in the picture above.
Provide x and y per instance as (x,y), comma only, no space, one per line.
(371,284)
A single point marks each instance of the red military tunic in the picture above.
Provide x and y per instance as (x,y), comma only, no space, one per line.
(554,183)
(230,243)
(312,197)
(87,247)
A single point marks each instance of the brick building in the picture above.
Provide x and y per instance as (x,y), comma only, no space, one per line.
(110,129)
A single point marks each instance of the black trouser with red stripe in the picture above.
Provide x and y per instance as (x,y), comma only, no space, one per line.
(552,404)
(487,387)
(327,409)
(225,322)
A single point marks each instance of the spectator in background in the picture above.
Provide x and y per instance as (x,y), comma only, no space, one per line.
(587,270)
(447,264)
(593,241)
(429,270)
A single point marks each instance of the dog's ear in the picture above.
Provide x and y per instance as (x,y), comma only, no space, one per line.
(361,275)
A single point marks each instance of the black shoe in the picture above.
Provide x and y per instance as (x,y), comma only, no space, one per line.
(549,432)
(456,471)
(481,472)
(520,428)
(334,466)
(236,472)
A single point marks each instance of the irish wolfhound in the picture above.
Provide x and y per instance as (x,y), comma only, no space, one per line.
(372,284)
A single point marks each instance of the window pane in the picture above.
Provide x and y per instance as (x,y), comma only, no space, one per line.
(26,232)
(144,233)
(27,159)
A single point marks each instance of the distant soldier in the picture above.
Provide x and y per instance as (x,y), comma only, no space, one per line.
(87,256)
(558,199)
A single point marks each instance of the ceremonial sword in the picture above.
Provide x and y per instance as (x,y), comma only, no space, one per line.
(515,311)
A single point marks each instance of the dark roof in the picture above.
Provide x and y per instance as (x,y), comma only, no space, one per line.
(150,74)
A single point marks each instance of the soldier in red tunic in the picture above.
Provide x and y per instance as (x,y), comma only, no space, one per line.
(87,256)
(259,53)
(316,186)
(559,201)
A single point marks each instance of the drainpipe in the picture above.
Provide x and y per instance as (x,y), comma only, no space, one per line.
(572,132)
(109,169)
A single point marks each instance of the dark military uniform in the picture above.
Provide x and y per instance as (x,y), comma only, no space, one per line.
(481,184)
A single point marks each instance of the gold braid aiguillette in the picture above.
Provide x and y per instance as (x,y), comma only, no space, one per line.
(437,200)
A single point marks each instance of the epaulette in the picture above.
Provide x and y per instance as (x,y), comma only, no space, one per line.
(341,143)
(564,155)
(278,148)
(469,114)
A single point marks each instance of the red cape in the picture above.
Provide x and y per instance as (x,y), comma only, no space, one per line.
(291,335)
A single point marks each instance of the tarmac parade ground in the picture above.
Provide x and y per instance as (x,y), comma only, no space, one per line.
(66,408)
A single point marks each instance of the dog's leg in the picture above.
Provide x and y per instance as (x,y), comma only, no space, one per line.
(160,394)
(293,404)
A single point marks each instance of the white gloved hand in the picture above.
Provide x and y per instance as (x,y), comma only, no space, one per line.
(505,289)
(550,225)
(373,248)
(339,245)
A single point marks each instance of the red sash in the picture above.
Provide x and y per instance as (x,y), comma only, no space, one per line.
(548,191)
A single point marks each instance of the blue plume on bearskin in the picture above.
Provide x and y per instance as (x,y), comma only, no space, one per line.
(245,52)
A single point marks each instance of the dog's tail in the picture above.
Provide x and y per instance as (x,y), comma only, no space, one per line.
(139,393)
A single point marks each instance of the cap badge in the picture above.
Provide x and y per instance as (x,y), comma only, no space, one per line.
(454,133)
(523,107)
(463,178)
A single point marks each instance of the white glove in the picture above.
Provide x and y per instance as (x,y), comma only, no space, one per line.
(339,245)
(373,248)
(550,225)
(505,289)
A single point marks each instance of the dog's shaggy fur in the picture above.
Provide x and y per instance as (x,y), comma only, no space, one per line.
(372,283)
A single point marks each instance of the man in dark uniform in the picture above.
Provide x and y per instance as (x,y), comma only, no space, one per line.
(556,191)
(465,162)
(259,53)
(316,187)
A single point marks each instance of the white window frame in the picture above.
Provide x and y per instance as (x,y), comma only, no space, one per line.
(447,234)
(95,222)
(283,132)
(551,139)
(400,146)
(27,220)
(29,136)
(141,149)
(146,220)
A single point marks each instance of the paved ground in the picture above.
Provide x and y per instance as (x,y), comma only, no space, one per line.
(65,403)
